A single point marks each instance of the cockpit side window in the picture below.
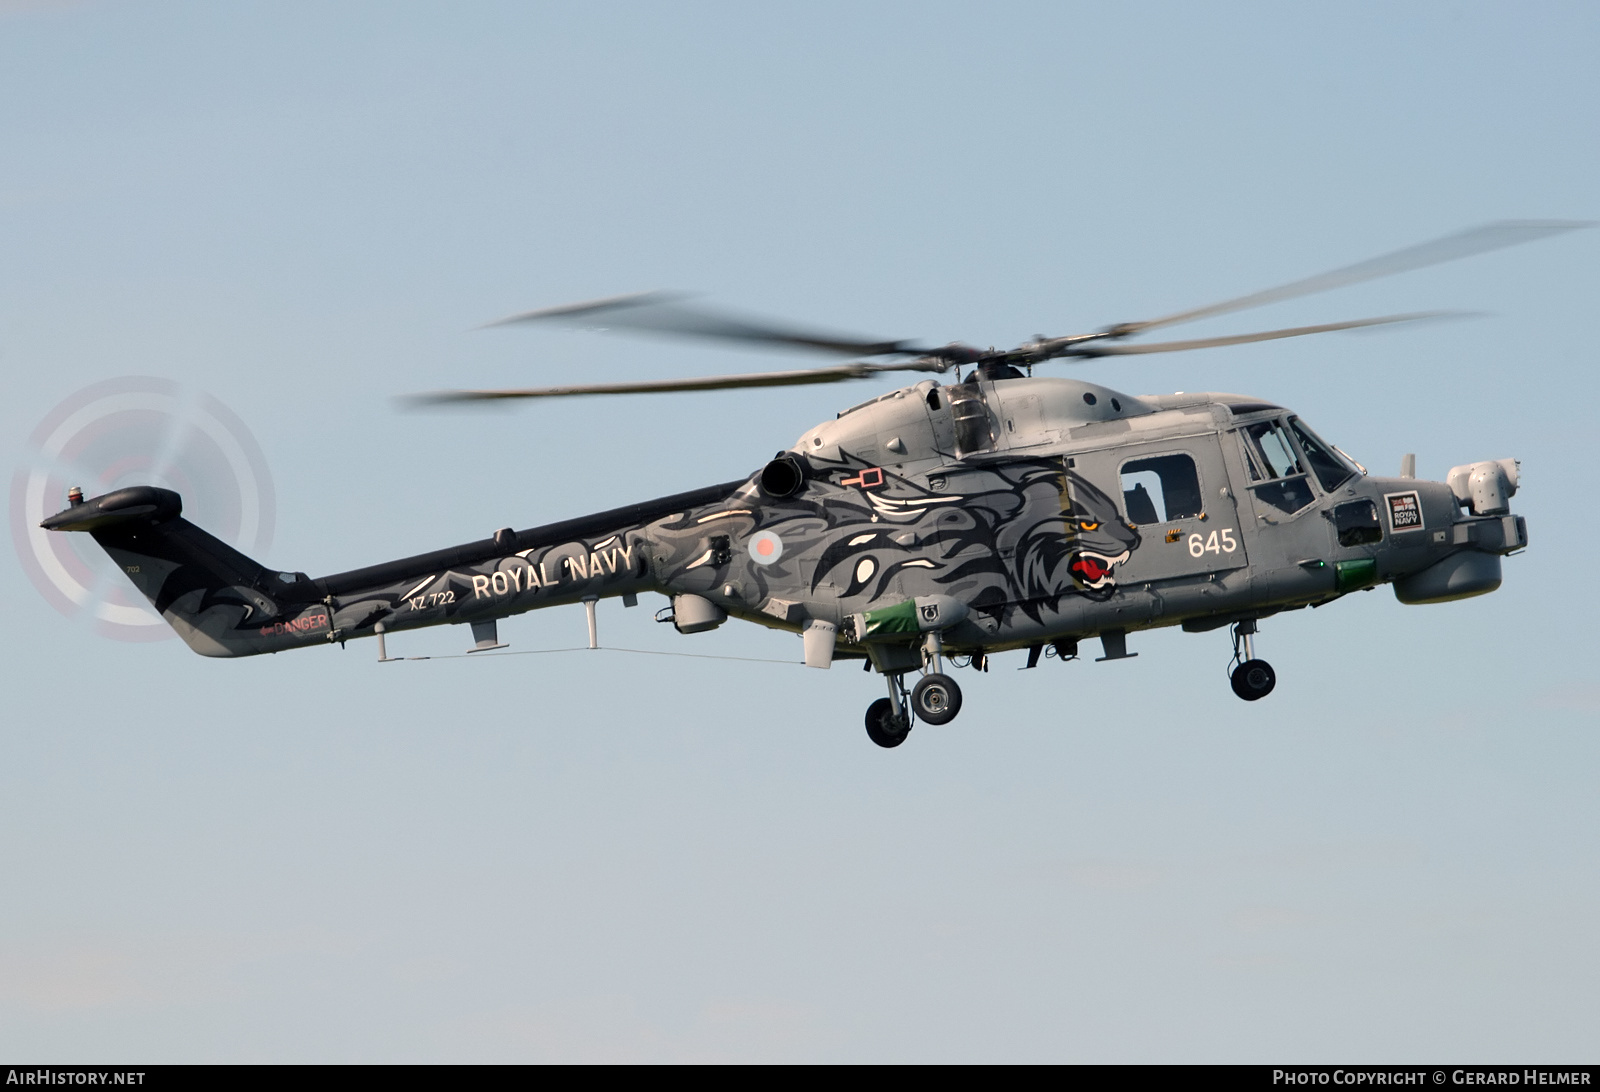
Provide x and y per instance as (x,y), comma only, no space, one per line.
(1277,477)
(1331,470)
(1271,446)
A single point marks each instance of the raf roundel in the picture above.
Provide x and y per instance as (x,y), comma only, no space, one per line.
(765,548)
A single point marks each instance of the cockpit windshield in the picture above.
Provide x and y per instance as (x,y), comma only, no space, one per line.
(1330,468)
(1278,453)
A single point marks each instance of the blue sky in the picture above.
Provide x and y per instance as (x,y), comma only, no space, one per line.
(306,210)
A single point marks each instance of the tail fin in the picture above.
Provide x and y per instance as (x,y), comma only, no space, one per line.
(218,600)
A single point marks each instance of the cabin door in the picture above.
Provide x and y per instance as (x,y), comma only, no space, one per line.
(1175,494)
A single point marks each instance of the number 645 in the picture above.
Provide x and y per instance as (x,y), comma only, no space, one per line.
(1218,542)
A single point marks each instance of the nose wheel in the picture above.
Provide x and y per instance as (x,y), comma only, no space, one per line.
(1252,679)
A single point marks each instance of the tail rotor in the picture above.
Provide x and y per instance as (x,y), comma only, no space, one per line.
(133,430)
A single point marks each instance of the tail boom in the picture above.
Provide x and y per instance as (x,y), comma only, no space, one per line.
(224,604)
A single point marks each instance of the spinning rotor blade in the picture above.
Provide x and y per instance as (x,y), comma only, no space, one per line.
(836,374)
(669,313)
(1097,349)
(1463,244)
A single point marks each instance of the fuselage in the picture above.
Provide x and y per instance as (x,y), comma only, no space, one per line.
(1001,514)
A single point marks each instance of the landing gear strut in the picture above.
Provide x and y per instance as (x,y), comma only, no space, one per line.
(1252,679)
(889,719)
(936,699)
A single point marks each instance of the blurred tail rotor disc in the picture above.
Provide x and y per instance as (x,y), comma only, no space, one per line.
(135,430)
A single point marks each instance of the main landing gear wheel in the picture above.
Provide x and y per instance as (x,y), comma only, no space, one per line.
(1253,679)
(883,727)
(936,699)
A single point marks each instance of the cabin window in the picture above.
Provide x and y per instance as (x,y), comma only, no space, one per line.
(1356,523)
(1331,470)
(1161,489)
(1277,476)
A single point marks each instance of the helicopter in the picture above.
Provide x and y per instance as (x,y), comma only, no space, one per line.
(932,525)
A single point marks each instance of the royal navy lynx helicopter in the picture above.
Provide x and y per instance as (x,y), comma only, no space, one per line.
(938,523)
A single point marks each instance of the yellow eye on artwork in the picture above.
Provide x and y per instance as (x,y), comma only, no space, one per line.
(1088,525)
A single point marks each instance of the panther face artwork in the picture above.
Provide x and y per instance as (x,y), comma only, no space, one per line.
(999,538)
(1075,548)
(1100,540)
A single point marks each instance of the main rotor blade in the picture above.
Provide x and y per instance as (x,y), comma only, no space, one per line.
(1463,244)
(669,313)
(836,374)
(1094,349)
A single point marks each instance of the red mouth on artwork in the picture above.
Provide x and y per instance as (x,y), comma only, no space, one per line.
(1089,569)
(1092,570)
